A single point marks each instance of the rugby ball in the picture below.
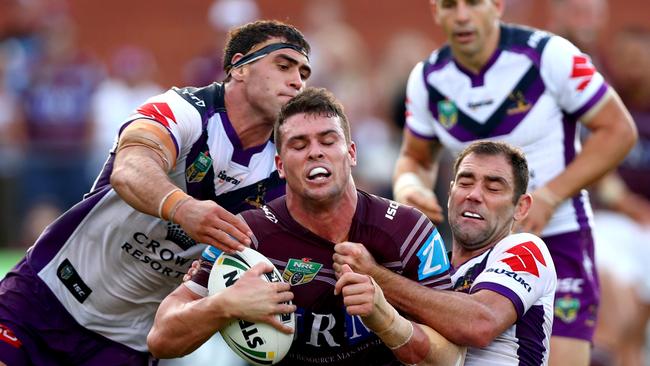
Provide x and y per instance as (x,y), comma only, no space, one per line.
(256,343)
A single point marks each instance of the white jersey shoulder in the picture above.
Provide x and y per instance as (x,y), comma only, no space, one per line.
(519,268)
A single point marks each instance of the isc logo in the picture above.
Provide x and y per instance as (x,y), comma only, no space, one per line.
(392,210)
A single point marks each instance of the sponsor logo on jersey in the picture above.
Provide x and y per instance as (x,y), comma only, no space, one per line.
(196,100)
(447,113)
(72,281)
(583,70)
(521,105)
(159,112)
(199,168)
(570,285)
(300,271)
(7,336)
(269,215)
(433,257)
(512,275)
(223,177)
(481,103)
(524,258)
(566,308)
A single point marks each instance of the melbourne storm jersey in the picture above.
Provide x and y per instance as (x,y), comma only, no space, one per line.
(531,94)
(400,238)
(520,268)
(111,265)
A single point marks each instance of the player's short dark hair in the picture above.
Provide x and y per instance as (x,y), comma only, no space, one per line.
(314,101)
(243,38)
(514,155)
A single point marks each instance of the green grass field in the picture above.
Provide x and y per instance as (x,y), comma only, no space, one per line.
(8,258)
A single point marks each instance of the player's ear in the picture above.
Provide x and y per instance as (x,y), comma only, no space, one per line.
(499,5)
(352,151)
(523,206)
(236,73)
(279,165)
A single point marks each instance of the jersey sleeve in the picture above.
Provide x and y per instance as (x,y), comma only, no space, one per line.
(179,117)
(419,119)
(421,250)
(521,269)
(199,281)
(571,77)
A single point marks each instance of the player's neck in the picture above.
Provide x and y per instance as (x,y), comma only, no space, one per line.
(330,220)
(476,62)
(460,255)
(251,126)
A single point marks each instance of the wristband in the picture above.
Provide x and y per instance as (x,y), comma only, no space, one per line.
(405,180)
(170,202)
(548,196)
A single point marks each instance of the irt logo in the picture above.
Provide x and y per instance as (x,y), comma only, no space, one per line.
(523,258)
(159,112)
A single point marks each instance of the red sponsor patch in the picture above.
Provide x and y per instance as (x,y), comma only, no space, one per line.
(524,258)
(159,112)
(582,69)
(7,336)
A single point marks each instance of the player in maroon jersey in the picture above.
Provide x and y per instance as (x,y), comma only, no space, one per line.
(298,233)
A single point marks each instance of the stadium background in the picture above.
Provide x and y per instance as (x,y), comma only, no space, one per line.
(363,51)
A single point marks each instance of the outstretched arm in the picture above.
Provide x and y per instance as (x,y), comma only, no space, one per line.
(484,314)
(185,320)
(144,157)
(411,343)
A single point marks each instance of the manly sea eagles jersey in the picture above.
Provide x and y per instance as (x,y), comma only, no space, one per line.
(111,265)
(520,268)
(399,237)
(531,93)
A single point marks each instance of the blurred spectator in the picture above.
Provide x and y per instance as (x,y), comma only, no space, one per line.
(129,83)
(582,22)
(55,121)
(623,220)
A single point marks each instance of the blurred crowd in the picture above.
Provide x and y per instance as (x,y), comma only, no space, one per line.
(60,108)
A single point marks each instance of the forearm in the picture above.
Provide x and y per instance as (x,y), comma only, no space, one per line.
(456,316)
(184,323)
(140,180)
(427,173)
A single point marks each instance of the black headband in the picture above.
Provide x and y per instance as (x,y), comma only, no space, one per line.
(254,56)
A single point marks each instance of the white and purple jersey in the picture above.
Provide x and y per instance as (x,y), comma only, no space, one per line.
(520,268)
(110,265)
(531,93)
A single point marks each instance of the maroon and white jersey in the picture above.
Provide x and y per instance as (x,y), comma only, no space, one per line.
(399,237)
(520,268)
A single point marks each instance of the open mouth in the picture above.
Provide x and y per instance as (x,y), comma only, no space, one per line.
(472,215)
(464,36)
(318,173)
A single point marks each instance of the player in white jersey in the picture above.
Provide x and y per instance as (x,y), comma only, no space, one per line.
(185,162)
(504,283)
(529,88)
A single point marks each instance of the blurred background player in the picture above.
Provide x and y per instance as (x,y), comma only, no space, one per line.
(527,87)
